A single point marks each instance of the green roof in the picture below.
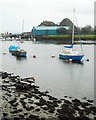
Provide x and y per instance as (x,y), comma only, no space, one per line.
(50,27)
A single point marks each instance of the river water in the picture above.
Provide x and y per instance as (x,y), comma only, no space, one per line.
(52,74)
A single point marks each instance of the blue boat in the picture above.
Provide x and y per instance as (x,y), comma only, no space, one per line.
(16,51)
(69,53)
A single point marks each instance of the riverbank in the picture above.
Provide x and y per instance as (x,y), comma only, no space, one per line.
(23,100)
(66,39)
(83,36)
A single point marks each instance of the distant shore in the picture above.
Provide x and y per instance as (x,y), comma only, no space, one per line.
(66,39)
(58,39)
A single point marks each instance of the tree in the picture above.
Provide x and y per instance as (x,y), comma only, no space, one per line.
(86,30)
(47,23)
(61,30)
(94,29)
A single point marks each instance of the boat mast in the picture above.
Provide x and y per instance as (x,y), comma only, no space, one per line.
(79,35)
(22,26)
(73,27)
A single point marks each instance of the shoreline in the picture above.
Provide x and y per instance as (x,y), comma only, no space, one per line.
(84,42)
(60,39)
(22,100)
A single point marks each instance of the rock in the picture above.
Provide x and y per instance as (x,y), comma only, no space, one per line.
(16,118)
(6,81)
(55,104)
(37,109)
(5,114)
(90,101)
(85,104)
(76,102)
(34,117)
(44,107)
(14,111)
(21,116)
(19,110)
(12,101)
(66,110)
(43,119)
(42,102)
(4,75)
(67,102)
(65,96)
(65,117)
(93,109)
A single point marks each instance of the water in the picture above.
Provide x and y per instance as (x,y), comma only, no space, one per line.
(52,74)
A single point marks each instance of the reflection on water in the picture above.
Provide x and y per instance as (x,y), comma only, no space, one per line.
(73,62)
(95,92)
(95,75)
(52,74)
(21,58)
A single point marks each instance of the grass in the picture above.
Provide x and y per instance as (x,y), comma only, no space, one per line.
(87,36)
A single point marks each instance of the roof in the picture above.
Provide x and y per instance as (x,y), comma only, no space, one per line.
(49,27)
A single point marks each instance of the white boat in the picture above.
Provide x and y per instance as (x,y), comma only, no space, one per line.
(69,53)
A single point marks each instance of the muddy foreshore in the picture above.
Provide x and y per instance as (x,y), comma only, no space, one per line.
(22,100)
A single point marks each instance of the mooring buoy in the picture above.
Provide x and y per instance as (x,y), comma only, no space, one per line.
(53,56)
(34,56)
(87,60)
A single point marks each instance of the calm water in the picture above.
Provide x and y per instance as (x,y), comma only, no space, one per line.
(52,74)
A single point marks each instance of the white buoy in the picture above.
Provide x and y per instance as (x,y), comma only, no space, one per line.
(70,60)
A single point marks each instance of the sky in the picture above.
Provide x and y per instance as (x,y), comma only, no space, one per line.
(13,13)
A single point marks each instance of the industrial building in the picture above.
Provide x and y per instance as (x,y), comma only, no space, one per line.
(47,30)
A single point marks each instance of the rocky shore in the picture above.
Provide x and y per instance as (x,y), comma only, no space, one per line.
(22,100)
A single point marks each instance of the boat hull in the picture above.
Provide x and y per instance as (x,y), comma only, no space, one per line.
(18,53)
(71,57)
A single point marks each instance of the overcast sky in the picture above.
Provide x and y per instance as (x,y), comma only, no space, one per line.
(33,12)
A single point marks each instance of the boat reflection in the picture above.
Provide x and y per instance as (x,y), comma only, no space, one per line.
(73,62)
(21,58)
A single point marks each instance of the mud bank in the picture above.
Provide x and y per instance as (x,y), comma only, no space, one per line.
(22,100)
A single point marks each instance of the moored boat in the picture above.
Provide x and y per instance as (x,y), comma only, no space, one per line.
(16,51)
(69,53)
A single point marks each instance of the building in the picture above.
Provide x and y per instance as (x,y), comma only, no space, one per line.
(47,30)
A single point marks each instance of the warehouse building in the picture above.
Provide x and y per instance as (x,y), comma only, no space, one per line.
(47,30)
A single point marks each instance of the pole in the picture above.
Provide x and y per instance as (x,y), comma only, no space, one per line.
(22,26)
(73,28)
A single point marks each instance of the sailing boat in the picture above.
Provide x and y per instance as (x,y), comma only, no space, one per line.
(69,53)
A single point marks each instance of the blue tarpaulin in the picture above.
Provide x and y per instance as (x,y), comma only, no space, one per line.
(13,47)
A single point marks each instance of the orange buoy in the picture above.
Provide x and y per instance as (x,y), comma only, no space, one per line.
(66,60)
(4,53)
